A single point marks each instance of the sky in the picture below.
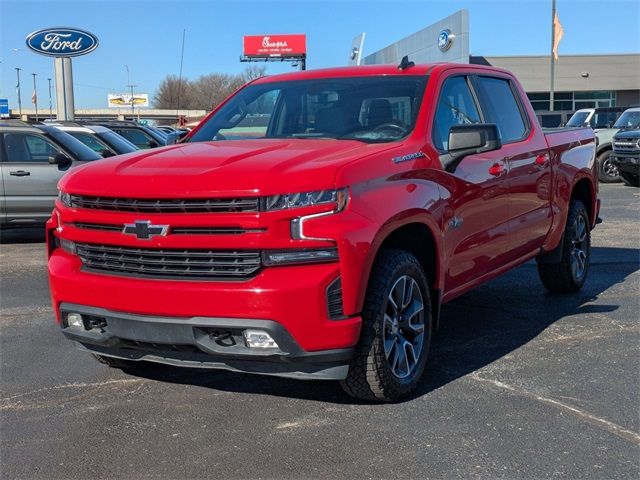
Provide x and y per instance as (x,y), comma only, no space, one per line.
(146,35)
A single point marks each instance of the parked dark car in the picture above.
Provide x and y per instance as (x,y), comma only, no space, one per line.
(141,136)
(626,155)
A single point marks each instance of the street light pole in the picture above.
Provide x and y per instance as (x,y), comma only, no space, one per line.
(18,89)
(35,95)
(130,87)
(50,105)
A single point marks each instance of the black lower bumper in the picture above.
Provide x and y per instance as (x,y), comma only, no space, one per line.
(200,342)
(629,164)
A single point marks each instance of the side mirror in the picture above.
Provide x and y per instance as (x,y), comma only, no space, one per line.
(471,139)
(60,159)
(106,153)
(152,144)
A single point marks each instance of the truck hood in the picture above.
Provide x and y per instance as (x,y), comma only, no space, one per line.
(233,167)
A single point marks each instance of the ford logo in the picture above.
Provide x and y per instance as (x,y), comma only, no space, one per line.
(445,39)
(62,42)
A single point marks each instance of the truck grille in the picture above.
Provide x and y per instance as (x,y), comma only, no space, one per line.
(625,145)
(170,263)
(209,205)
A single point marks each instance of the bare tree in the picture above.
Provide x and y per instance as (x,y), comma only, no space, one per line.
(204,93)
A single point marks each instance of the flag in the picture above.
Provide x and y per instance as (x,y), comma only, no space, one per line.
(34,98)
(558,33)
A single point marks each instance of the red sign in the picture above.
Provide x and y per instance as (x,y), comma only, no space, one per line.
(274,45)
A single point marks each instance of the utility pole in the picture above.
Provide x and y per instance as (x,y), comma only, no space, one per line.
(18,89)
(35,95)
(50,105)
(130,87)
(553,41)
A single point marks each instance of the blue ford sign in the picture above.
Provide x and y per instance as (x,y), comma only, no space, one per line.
(445,39)
(62,42)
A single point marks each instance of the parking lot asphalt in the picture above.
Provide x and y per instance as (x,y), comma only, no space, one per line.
(521,384)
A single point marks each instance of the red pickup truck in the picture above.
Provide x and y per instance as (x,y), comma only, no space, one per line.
(314,223)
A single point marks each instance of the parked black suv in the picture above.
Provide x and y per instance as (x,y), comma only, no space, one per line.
(626,155)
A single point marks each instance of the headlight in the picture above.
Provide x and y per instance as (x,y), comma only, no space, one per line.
(338,197)
(65,198)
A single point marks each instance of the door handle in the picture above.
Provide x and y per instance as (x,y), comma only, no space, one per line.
(542,160)
(497,169)
(20,173)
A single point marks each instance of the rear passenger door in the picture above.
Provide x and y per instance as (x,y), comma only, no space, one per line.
(525,152)
(30,181)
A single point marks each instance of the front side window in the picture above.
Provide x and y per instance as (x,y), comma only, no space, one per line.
(135,136)
(368,109)
(502,108)
(456,106)
(578,119)
(25,147)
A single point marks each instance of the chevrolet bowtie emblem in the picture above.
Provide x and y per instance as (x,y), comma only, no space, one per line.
(144,230)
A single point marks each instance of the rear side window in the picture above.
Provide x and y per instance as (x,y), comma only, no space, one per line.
(502,108)
(137,137)
(456,106)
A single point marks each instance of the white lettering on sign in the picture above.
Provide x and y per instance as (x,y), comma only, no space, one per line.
(267,43)
(55,42)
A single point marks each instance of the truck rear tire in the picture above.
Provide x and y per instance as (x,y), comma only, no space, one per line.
(607,171)
(390,358)
(570,272)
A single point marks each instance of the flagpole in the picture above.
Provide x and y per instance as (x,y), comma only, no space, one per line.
(35,95)
(553,41)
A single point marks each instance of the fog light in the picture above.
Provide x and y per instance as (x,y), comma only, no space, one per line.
(75,320)
(67,245)
(259,339)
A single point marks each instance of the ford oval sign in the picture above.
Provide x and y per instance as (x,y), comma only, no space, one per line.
(445,39)
(62,42)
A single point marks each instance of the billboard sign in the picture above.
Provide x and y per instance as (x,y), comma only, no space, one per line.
(274,45)
(62,42)
(120,100)
(4,108)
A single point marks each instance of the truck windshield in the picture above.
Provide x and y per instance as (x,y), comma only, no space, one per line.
(578,119)
(629,119)
(369,109)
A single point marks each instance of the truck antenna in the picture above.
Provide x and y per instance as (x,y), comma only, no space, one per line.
(405,63)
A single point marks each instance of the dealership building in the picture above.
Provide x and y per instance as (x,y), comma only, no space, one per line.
(580,81)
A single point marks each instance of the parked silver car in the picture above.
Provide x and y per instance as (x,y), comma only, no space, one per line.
(32,160)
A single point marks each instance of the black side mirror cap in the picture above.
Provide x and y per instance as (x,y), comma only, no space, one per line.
(60,159)
(152,144)
(467,140)
(106,153)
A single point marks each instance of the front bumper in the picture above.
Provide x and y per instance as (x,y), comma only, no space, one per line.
(201,342)
(626,163)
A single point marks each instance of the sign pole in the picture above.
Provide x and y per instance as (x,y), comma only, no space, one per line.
(18,89)
(50,106)
(64,89)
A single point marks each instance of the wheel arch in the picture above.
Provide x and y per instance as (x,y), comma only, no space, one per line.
(416,235)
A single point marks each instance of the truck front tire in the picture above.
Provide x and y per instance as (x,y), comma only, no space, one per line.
(569,273)
(390,358)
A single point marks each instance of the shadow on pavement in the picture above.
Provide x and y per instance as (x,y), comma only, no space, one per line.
(475,330)
(14,235)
